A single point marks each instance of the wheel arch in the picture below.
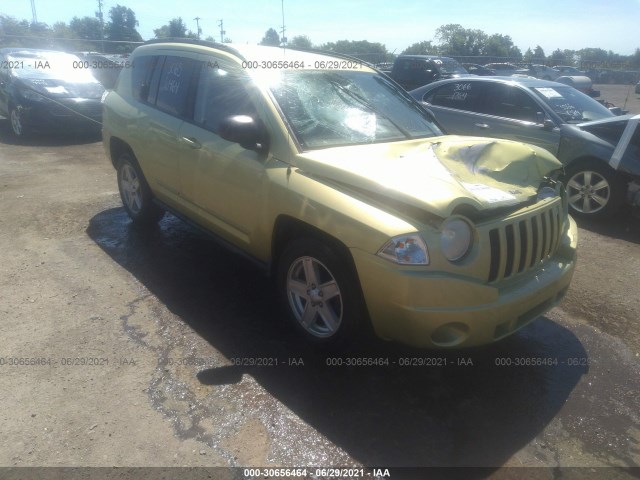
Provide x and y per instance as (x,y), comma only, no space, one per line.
(287,228)
(586,159)
(117,147)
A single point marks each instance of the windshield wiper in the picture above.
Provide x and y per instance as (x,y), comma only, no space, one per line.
(341,89)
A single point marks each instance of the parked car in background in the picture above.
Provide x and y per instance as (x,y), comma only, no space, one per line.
(413,71)
(337,182)
(475,69)
(504,69)
(44,90)
(602,165)
(539,71)
(104,68)
(566,70)
(384,66)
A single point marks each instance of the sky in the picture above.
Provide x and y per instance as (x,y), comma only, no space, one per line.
(573,24)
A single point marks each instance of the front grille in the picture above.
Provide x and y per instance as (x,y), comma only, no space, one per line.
(520,245)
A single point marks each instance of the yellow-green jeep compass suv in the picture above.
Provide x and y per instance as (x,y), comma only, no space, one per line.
(331,176)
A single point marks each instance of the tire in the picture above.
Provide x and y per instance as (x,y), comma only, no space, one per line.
(17,122)
(319,293)
(135,192)
(594,190)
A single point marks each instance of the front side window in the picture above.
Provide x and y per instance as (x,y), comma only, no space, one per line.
(508,101)
(332,108)
(220,95)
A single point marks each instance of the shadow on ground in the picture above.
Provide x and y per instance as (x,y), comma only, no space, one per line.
(625,225)
(459,414)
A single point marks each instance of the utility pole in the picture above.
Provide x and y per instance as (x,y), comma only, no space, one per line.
(101,18)
(283,37)
(197,19)
(33,12)
(222,32)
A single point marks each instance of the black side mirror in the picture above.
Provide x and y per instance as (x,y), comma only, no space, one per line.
(244,130)
(546,122)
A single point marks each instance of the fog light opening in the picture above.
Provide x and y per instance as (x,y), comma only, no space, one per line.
(450,334)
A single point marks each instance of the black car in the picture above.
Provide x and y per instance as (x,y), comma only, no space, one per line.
(413,71)
(44,90)
(600,151)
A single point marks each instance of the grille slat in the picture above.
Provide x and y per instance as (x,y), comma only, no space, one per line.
(502,264)
(519,246)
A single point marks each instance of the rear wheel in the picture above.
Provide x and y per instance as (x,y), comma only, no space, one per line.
(135,192)
(319,292)
(594,190)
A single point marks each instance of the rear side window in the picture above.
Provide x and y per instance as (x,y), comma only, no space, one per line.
(458,95)
(175,84)
(142,70)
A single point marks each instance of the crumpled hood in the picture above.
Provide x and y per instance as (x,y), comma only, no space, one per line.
(438,174)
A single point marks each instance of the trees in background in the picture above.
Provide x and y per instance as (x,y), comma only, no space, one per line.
(120,32)
(271,38)
(176,28)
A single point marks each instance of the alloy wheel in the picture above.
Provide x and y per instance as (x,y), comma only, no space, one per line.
(130,184)
(588,191)
(314,297)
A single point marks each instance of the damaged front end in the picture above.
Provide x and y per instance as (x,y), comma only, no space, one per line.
(493,246)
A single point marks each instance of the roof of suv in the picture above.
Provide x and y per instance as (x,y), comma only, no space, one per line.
(250,53)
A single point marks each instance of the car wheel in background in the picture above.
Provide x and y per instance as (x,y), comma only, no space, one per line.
(17,122)
(593,189)
(319,292)
(135,192)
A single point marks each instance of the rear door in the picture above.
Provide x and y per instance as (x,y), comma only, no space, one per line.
(455,106)
(163,86)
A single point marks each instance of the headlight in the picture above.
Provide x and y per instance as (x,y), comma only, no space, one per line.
(547,192)
(406,250)
(456,238)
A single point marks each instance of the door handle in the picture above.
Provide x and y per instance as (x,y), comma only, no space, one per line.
(481,125)
(192,142)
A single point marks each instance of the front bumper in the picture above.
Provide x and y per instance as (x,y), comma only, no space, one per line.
(438,310)
(62,115)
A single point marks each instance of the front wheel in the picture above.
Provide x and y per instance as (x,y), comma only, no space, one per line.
(16,118)
(135,192)
(594,190)
(319,292)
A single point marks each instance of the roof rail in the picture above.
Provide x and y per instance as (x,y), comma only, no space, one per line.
(194,41)
(330,53)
